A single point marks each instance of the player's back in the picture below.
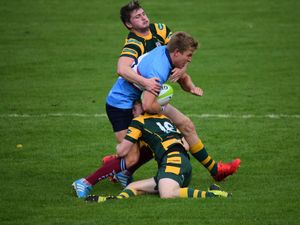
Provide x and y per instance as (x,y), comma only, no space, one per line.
(158,132)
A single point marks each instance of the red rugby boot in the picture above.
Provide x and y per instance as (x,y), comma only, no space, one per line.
(226,169)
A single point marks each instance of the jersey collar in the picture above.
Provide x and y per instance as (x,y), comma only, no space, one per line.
(146,37)
(169,57)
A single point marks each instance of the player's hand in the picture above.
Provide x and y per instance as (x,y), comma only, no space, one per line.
(152,85)
(196,91)
(177,74)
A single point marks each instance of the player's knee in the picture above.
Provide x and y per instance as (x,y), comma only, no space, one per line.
(168,188)
(166,195)
(187,126)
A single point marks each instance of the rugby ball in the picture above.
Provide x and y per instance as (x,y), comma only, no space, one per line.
(165,94)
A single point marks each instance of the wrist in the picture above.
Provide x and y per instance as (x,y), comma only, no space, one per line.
(143,81)
(162,108)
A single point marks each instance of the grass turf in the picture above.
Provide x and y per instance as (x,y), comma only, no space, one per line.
(59,58)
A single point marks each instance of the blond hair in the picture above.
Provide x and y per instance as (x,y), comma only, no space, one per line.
(182,41)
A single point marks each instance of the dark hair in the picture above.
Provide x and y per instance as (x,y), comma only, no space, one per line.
(126,10)
(182,41)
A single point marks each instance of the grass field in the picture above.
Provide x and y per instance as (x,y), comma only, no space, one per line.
(58,62)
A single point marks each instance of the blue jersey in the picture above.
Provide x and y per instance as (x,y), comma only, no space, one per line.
(156,63)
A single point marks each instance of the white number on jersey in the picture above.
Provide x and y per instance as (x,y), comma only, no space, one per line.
(166,127)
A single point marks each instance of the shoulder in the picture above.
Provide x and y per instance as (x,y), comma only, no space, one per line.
(154,117)
(133,46)
(159,26)
(142,118)
(132,38)
(153,58)
(138,120)
(162,30)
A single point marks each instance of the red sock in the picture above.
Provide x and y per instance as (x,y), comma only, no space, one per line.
(108,169)
(145,155)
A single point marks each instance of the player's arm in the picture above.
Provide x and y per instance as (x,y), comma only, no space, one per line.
(124,148)
(124,69)
(150,104)
(133,134)
(187,85)
(177,73)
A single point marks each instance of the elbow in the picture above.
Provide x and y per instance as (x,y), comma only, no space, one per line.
(120,152)
(151,108)
(148,107)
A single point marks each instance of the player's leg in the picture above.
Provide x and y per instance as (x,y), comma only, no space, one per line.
(125,177)
(112,166)
(83,186)
(120,120)
(141,187)
(133,189)
(219,171)
(188,192)
(173,179)
(174,171)
(169,188)
(187,128)
(138,188)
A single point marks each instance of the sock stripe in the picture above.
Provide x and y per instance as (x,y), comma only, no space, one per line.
(127,193)
(205,161)
(183,192)
(195,195)
(211,165)
(197,147)
(123,164)
(124,195)
(133,191)
(192,193)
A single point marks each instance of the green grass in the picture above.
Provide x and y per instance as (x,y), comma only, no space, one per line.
(59,57)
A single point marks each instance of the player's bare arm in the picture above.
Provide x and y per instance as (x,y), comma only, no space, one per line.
(124,148)
(177,73)
(124,69)
(187,85)
(150,103)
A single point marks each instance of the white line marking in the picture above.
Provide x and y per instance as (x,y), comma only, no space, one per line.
(226,116)
(246,116)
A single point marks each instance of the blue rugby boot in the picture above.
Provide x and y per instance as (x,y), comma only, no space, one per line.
(82,188)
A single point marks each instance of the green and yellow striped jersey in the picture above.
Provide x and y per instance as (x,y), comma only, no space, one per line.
(156,131)
(136,45)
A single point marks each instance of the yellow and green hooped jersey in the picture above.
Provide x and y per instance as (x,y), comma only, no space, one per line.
(136,45)
(156,131)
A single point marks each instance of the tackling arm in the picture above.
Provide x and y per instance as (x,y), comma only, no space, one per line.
(124,148)
(150,104)
(124,69)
